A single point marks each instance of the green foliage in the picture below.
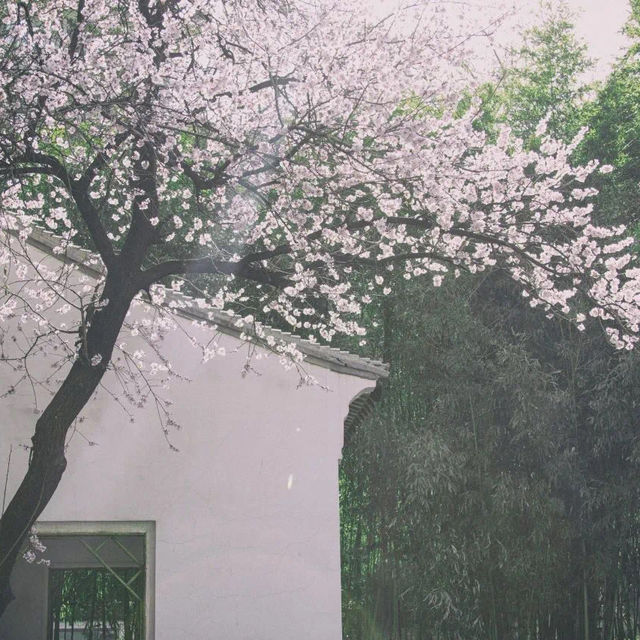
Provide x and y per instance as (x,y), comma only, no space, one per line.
(546,79)
(614,134)
(493,494)
(92,604)
(494,473)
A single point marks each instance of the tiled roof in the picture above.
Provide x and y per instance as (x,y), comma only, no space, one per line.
(321,355)
(361,407)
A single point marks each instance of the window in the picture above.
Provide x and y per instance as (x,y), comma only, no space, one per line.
(97,582)
(96,603)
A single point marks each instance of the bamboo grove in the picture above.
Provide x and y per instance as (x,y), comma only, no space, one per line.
(494,492)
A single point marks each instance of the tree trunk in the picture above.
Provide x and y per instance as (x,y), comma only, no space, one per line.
(48,460)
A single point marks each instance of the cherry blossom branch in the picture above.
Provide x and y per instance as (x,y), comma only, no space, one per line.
(50,165)
(209,265)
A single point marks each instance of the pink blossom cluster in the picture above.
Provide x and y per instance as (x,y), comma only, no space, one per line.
(280,147)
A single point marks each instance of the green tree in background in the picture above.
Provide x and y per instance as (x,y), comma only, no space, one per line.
(613,119)
(546,79)
(493,494)
(543,79)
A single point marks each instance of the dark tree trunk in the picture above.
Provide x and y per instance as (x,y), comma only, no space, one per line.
(48,460)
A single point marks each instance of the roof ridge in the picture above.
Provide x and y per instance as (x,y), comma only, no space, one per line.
(332,358)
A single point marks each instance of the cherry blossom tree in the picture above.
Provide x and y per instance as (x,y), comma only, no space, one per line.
(262,152)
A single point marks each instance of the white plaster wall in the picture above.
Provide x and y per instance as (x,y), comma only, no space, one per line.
(242,553)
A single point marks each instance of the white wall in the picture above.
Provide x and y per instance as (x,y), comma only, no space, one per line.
(243,552)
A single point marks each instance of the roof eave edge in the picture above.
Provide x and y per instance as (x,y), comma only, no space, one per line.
(320,355)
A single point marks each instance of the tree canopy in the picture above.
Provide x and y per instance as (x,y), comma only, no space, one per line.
(279,149)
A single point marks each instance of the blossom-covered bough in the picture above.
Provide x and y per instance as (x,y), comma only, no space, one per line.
(263,152)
